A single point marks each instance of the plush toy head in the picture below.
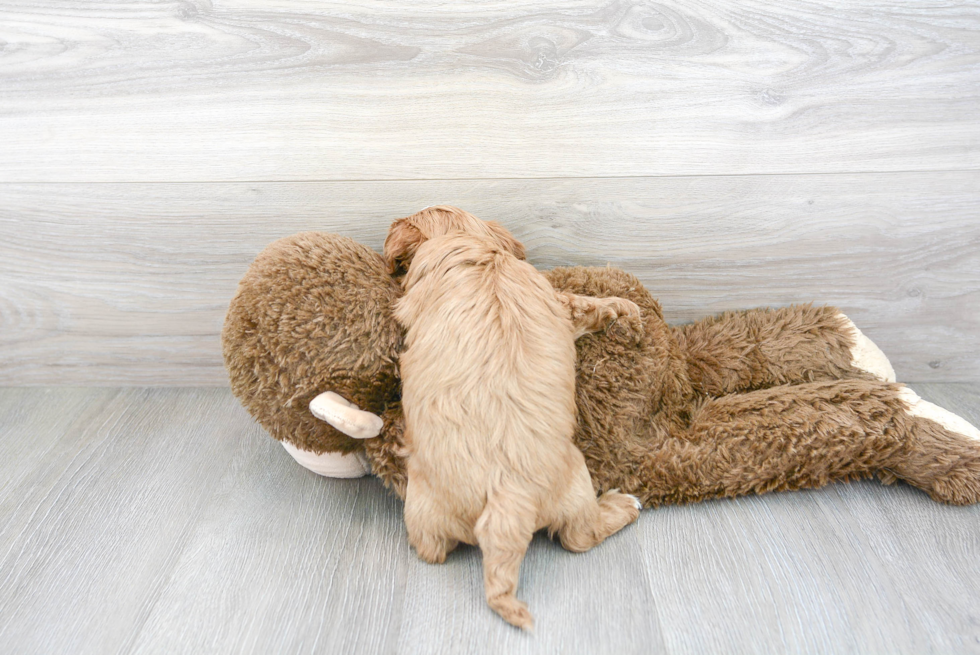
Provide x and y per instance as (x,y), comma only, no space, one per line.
(313,313)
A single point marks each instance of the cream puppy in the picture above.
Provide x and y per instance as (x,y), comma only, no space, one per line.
(488,391)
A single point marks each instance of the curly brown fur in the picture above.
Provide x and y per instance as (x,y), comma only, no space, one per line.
(387,452)
(313,312)
(761,348)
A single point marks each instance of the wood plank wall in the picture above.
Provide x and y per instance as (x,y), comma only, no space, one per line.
(731,155)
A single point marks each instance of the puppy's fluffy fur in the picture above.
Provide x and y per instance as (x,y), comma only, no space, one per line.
(488,391)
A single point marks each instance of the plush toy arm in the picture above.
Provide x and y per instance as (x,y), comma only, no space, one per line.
(808,435)
(591,314)
(345,416)
(762,348)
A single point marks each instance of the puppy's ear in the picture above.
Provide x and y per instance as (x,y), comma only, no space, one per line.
(506,240)
(400,245)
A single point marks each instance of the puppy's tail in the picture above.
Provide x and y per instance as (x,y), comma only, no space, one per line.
(503,533)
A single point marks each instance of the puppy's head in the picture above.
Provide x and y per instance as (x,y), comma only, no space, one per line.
(406,234)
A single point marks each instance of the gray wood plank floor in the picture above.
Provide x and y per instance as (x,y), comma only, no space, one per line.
(165,521)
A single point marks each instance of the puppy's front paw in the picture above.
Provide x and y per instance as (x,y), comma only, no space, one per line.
(618,311)
(619,509)
(621,307)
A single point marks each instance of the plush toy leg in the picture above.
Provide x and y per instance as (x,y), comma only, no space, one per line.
(808,435)
(944,454)
(761,348)
(331,465)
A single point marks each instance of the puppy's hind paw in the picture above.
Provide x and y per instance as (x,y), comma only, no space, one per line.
(430,549)
(636,502)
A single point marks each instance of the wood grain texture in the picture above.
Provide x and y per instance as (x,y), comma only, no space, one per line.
(285,561)
(308,90)
(129,283)
(597,602)
(164,521)
(94,531)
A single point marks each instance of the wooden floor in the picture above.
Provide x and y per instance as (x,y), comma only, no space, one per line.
(165,521)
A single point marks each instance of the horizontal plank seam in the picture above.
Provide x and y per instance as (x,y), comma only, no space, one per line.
(489,179)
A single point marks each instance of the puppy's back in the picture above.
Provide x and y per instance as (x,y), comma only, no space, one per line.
(488,378)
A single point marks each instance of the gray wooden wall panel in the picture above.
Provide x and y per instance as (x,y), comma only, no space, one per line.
(128,283)
(290,89)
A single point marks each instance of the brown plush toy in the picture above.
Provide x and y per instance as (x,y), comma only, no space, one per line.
(746,402)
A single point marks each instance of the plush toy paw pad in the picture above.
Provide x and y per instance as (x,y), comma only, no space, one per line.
(866,356)
(924,409)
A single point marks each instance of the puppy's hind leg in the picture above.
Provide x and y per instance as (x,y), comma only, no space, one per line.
(584,521)
(427,523)
(503,533)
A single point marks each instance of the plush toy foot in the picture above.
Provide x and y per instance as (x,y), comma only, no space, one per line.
(945,457)
(944,417)
(331,465)
(345,416)
(866,356)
